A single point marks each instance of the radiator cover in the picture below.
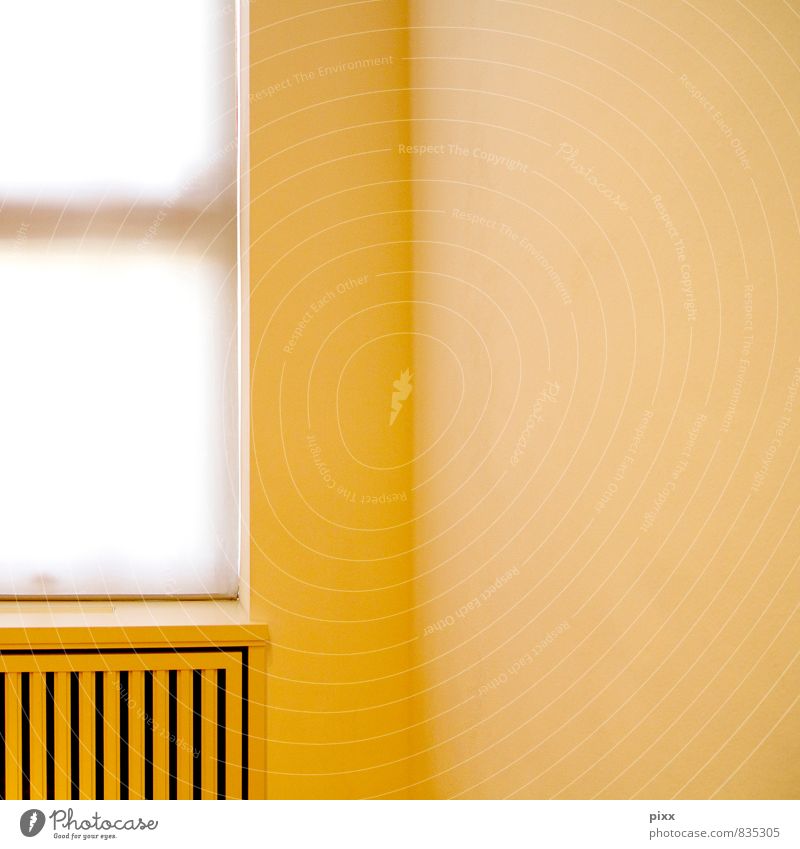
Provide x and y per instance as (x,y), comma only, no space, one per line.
(135,713)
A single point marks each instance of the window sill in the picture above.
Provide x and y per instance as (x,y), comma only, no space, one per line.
(121,614)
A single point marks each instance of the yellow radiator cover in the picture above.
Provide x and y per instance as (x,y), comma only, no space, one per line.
(111,713)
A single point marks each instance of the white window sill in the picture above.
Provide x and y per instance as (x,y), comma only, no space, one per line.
(122,613)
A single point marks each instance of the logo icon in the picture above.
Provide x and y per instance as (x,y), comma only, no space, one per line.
(402,389)
(31,822)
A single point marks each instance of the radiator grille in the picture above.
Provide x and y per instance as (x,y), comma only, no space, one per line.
(125,724)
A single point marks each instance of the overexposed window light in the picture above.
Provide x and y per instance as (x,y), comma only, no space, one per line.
(98,96)
(119,322)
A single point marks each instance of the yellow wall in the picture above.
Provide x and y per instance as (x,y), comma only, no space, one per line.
(330,564)
(556,640)
(614,657)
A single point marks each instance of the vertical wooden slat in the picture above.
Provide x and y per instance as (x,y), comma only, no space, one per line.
(209,734)
(185,744)
(233,738)
(161,735)
(38,736)
(13,739)
(87,759)
(136,735)
(111,735)
(61,716)
(257,730)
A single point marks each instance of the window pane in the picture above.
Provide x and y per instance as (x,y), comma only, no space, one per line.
(118,439)
(119,357)
(115,96)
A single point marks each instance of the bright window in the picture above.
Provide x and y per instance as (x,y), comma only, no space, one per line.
(119,282)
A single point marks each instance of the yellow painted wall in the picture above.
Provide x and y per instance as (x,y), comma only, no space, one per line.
(604,546)
(330,323)
(573,377)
